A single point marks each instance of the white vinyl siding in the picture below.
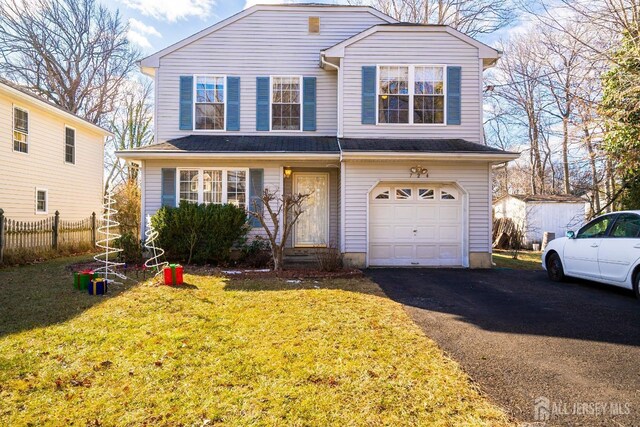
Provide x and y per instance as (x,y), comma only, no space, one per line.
(420,48)
(472,176)
(74,191)
(283,47)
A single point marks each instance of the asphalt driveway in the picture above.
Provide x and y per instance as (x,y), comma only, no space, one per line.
(522,338)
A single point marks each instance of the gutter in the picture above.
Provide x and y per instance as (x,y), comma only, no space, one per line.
(387,155)
(254,155)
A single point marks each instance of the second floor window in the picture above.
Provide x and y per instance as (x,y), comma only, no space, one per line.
(20,130)
(210,102)
(285,103)
(411,94)
(69,145)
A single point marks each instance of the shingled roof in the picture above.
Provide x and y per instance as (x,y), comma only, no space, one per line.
(250,144)
(549,198)
(312,144)
(416,145)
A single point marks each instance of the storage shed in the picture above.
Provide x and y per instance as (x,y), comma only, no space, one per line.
(537,214)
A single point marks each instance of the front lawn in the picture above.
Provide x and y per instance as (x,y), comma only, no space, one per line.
(240,352)
(526,260)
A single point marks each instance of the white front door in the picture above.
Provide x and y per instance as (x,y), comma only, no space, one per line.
(415,224)
(312,228)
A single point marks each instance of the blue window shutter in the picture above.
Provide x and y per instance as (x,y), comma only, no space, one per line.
(454,89)
(262,103)
(369,95)
(168,187)
(233,103)
(256,189)
(309,103)
(186,102)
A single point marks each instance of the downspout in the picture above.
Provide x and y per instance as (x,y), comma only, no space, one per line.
(342,164)
(324,62)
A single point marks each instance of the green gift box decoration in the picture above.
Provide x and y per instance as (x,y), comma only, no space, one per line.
(81,279)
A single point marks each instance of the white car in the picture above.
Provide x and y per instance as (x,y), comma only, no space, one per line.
(606,250)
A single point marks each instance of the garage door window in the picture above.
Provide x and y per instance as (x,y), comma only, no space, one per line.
(447,195)
(426,194)
(403,193)
(381,194)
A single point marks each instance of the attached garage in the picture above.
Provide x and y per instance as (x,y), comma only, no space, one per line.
(416,225)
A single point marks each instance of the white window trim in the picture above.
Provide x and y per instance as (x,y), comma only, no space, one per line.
(46,201)
(193,107)
(299,77)
(224,170)
(411,87)
(75,145)
(13,129)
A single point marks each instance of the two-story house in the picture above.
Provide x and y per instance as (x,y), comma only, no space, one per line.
(380,121)
(50,160)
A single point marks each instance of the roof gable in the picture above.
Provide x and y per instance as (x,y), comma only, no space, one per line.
(151,62)
(14,90)
(485,52)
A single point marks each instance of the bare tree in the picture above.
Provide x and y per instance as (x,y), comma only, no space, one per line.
(287,209)
(472,17)
(132,125)
(74,53)
(517,82)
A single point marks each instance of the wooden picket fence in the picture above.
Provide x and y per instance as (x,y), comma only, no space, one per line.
(47,233)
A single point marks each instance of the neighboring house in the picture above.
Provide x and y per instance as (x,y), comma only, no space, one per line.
(382,121)
(537,214)
(50,160)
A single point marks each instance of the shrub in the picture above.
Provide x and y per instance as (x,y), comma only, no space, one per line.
(256,254)
(131,248)
(200,233)
(329,259)
(127,197)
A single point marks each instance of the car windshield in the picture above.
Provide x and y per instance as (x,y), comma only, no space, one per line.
(596,228)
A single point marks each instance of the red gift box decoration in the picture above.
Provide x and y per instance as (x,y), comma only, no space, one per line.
(173,275)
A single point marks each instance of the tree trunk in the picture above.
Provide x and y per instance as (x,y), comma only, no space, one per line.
(565,154)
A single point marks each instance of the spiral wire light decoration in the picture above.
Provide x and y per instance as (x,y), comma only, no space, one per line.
(153,263)
(107,229)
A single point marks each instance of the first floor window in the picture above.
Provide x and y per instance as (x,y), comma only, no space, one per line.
(237,188)
(41,201)
(69,145)
(213,185)
(20,130)
(411,94)
(209,105)
(285,103)
(189,185)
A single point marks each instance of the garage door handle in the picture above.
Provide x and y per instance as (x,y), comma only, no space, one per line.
(637,246)
(595,245)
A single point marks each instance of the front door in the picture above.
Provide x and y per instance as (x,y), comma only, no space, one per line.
(312,227)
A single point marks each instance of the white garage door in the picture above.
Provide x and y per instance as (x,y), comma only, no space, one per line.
(415,225)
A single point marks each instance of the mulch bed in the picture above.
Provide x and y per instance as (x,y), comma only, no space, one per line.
(139,272)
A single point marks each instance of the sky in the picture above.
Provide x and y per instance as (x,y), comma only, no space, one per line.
(156,24)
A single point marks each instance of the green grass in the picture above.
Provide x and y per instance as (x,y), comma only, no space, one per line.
(527,260)
(241,352)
